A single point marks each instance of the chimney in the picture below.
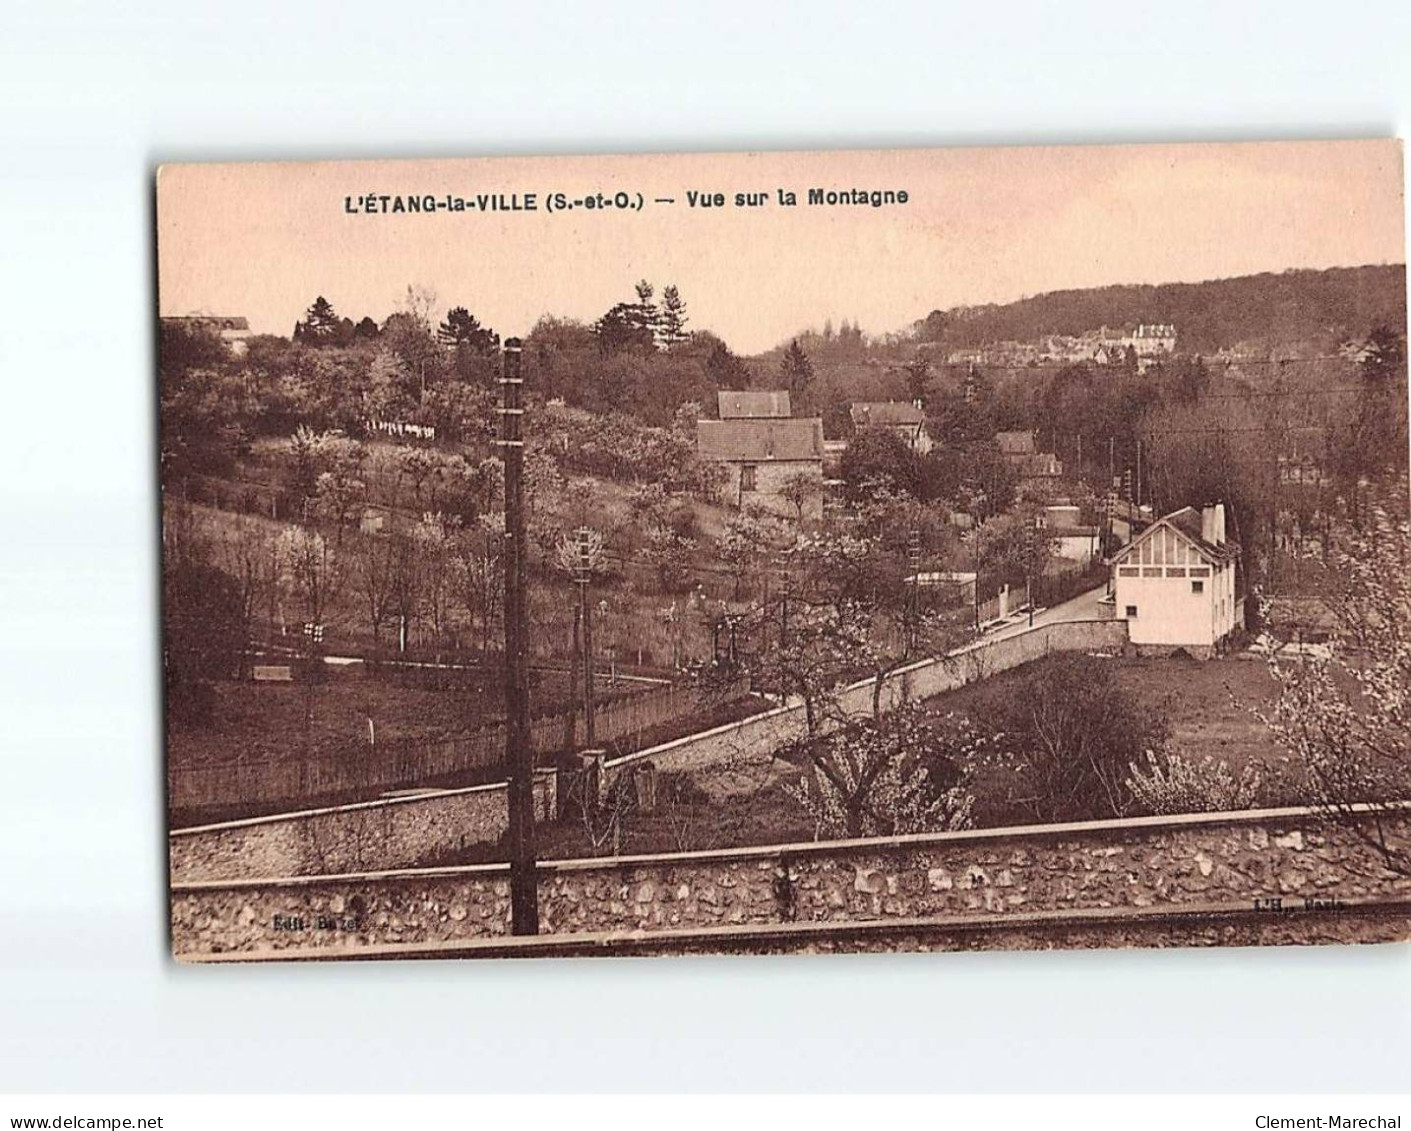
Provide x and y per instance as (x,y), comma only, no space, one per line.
(1212,523)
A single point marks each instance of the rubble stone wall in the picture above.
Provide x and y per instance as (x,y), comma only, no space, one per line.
(1143,865)
(394,833)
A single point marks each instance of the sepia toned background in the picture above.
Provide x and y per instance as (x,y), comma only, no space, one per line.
(93,102)
(980,226)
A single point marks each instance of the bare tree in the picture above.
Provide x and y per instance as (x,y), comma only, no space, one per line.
(853,615)
(372,576)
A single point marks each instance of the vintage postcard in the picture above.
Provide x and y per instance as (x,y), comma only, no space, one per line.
(786,552)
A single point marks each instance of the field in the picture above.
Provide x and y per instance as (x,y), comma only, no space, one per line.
(1207,702)
(270,721)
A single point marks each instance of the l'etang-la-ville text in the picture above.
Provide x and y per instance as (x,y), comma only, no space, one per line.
(1326,1122)
(385,204)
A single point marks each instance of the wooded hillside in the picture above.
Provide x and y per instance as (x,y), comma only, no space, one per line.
(1313,310)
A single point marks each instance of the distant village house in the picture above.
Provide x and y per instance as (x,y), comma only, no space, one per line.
(1020,450)
(233,330)
(1071,539)
(904,418)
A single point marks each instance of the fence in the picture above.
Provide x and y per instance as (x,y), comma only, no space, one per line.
(241,496)
(478,755)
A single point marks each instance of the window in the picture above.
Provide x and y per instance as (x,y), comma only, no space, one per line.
(1128,571)
(747,477)
(1197,587)
(1131,612)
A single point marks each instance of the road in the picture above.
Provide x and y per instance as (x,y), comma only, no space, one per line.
(1085,606)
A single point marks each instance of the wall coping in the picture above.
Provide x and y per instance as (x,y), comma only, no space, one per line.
(725,728)
(795,703)
(673,938)
(547,868)
(378,803)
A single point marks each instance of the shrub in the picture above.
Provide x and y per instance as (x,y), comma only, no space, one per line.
(1068,736)
(1171,783)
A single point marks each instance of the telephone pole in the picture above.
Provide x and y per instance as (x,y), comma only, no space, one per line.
(913,557)
(585,575)
(519,757)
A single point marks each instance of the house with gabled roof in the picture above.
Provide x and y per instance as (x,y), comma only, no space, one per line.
(1174,584)
(1021,452)
(905,418)
(231,329)
(765,459)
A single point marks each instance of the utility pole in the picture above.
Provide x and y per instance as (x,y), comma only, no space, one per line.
(519,758)
(913,555)
(1139,474)
(585,575)
(1031,547)
(1278,447)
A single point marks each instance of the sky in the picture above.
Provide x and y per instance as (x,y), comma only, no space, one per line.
(979,225)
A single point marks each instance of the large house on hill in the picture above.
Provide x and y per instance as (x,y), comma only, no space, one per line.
(1174,583)
(902,417)
(231,329)
(763,454)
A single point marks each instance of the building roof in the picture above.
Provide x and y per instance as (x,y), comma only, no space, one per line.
(886,413)
(1187,523)
(214,321)
(753,404)
(1015,443)
(760,439)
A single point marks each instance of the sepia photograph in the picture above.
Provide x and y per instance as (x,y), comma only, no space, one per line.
(786,552)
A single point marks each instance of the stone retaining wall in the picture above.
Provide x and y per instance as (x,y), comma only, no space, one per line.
(395,833)
(1206,924)
(1138,864)
(757,737)
(405,832)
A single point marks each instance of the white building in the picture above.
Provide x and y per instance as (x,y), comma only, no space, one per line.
(1174,584)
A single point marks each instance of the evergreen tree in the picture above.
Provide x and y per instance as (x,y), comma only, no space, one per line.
(725,370)
(462,330)
(320,324)
(1381,401)
(630,326)
(796,371)
(672,322)
(918,379)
